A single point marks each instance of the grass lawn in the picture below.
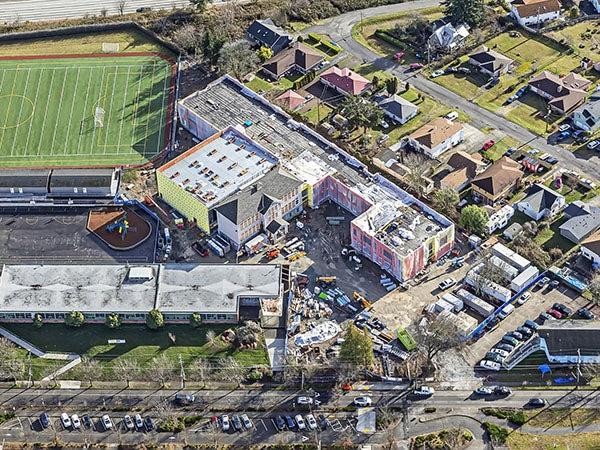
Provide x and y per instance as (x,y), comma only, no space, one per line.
(259,85)
(369,71)
(48,109)
(551,237)
(581,34)
(141,344)
(563,417)
(495,152)
(317,112)
(579,441)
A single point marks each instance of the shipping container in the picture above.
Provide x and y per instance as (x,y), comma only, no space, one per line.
(478,305)
(406,339)
(522,280)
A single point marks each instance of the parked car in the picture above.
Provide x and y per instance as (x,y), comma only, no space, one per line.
(200,249)
(536,403)
(493,82)
(531,324)
(300,422)
(586,314)
(384,124)
(362,401)
(564,127)
(415,66)
(554,313)
(551,160)
(289,420)
(65,420)
(495,357)
(464,70)
(452,115)
(323,422)
(562,308)
(523,298)
(562,136)
(306,401)
(527,332)
(447,283)
(554,284)
(499,351)
(484,390)
(424,391)
(489,365)
(503,346)
(225,425)
(139,422)
(510,340)
(247,422)
(106,422)
(279,423)
(592,145)
(543,282)
(311,422)
(580,136)
(502,390)
(510,151)
(437,73)
(128,422)
(544,317)
(149,423)
(515,334)
(488,144)
(237,423)
(143,9)
(75,422)
(44,420)
(182,399)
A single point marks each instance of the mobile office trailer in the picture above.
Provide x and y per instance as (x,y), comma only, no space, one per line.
(510,257)
(489,288)
(443,305)
(478,305)
(456,302)
(524,279)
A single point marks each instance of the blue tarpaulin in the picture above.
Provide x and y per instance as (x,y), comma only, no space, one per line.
(564,380)
(544,369)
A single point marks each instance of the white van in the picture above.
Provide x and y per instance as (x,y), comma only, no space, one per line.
(452,115)
(506,311)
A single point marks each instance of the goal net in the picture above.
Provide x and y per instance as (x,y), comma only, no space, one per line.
(99,117)
(109,47)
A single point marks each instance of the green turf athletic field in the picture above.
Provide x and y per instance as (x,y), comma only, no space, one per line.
(48,109)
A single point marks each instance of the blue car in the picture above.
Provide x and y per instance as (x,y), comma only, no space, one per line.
(522,91)
(563,135)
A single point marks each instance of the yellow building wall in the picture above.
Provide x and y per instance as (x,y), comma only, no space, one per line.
(182,201)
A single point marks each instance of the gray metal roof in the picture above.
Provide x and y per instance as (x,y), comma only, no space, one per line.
(397,105)
(584,221)
(30,178)
(540,197)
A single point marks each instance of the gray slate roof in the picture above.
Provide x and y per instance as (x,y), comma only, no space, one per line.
(269,34)
(397,106)
(591,109)
(258,197)
(540,197)
(584,220)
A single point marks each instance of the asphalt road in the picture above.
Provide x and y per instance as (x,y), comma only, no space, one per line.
(38,10)
(340,29)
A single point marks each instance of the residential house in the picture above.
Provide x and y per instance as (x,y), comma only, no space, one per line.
(265,33)
(397,108)
(264,207)
(437,136)
(541,202)
(582,221)
(297,58)
(513,231)
(463,168)
(499,219)
(490,62)
(497,181)
(290,99)
(563,94)
(345,81)
(448,38)
(590,248)
(535,12)
(587,116)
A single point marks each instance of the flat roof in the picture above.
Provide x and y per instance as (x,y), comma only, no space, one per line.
(118,288)
(216,168)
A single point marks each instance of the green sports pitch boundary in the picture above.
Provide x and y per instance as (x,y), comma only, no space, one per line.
(48,106)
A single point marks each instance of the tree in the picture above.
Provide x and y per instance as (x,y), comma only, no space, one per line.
(471,12)
(188,37)
(529,249)
(488,274)
(38,320)
(199,370)
(126,370)
(12,364)
(211,47)
(231,370)
(391,85)
(200,5)
(196,320)
(74,319)
(264,53)
(160,369)
(438,334)
(247,335)
(417,165)
(357,348)
(210,337)
(155,319)
(594,288)
(473,219)
(446,200)
(89,369)
(237,58)
(113,320)
(361,112)
(121,6)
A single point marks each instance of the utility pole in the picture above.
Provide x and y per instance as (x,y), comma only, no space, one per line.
(578,366)
(29,374)
(181,372)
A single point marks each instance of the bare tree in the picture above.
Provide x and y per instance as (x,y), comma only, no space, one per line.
(389,421)
(436,335)
(161,369)
(188,37)
(199,370)
(121,6)
(126,370)
(210,337)
(594,288)
(417,166)
(103,12)
(89,369)
(488,274)
(232,370)
(237,58)
(12,365)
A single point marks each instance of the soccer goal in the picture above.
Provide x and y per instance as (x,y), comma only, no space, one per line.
(110,47)
(99,117)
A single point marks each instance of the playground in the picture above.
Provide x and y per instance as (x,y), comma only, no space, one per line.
(38,235)
(119,228)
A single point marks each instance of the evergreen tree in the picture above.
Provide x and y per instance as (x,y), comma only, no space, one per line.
(471,12)
(357,349)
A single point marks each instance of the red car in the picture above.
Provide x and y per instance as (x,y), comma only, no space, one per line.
(554,313)
(415,66)
(200,249)
(488,145)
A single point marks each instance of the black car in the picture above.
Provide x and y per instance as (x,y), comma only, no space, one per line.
(495,357)
(237,423)
(182,399)
(585,313)
(531,324)
(86,421)
(323,422)
(289,421)
(506,347)
(502,390)
(536,403)
(551,160)
(562,308)
(44,420)
(149,424)
(279,423)
(525,331)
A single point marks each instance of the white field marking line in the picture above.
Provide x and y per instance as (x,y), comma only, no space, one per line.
(2,84)
(162,112)
(71,111)
(94,106)
(149,106)
(45,114)
(12,92)
(47,67)
(87,95)
(20,112)
(70,154)
(37,92)
(123,111)
(62,94)
(107,122)
(135,106)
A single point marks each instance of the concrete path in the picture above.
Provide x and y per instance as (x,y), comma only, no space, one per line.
(62,370)
(21,342)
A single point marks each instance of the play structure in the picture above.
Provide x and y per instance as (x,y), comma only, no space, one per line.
(120,225)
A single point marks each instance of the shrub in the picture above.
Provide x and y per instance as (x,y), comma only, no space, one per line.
(254,375)
(74,319)
(155,319)
(113,320)
(196,320)
(512,415)
(497,433)
(171,425)
(38,321)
